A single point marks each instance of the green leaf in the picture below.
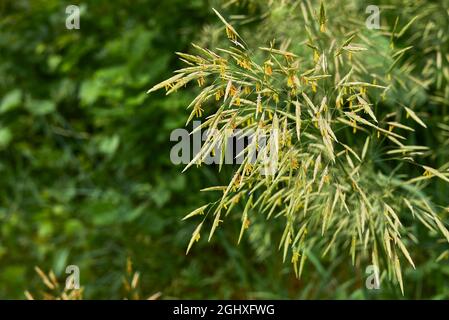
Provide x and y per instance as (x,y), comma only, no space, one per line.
(5,137)
(89,92)
(41,107)
(109,145)
(11,100)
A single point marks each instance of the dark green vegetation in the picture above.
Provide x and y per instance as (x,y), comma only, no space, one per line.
(85,174)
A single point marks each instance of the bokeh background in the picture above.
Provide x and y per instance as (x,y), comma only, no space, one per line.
(85,172)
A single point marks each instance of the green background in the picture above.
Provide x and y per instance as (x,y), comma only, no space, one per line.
(85,173)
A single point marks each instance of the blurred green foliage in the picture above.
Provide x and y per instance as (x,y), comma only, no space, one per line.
(85,174)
